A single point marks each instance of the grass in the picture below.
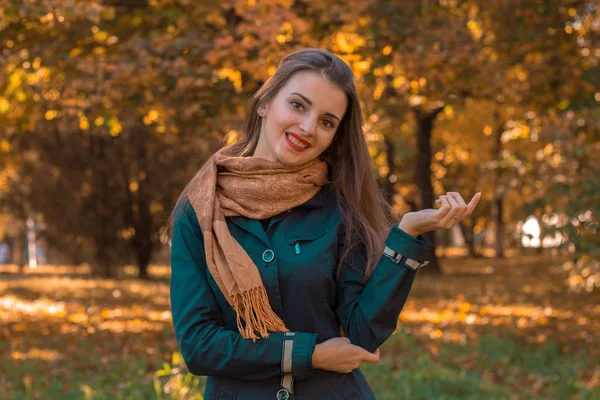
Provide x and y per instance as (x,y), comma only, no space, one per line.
(486,329)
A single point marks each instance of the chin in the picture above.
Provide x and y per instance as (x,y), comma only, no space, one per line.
(292,161)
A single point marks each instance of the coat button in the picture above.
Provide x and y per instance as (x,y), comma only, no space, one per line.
(283,394)
(268,255)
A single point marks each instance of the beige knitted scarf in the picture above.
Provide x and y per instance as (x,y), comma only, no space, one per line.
(254,188)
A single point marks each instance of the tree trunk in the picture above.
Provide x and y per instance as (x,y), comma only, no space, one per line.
(102,264)
(425,119)
(141,219)
(143,256)
(390,178)
(469,235)
(17,251)
(103,235)
(499,191)
(142,240)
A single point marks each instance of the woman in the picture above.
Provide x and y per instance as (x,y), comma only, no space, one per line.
(287,273)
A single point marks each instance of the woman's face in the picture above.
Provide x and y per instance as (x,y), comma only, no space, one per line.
(301,121)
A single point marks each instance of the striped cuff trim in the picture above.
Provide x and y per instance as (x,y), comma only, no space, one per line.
(287,380)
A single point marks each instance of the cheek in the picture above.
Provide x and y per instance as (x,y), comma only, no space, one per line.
(325,140)
(281,121)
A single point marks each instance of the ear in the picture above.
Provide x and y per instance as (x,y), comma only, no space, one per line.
(262,110)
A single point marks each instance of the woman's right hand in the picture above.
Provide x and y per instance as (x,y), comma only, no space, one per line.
(339,355)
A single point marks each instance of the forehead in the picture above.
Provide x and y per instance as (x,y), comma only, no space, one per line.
(325,95)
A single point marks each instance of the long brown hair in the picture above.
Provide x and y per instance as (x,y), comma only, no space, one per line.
(366,214)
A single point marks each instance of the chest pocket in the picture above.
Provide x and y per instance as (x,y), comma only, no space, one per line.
(309,247)
(310,257)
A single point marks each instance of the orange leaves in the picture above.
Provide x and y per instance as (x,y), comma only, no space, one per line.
(347,42)
(233,75)
(512,298)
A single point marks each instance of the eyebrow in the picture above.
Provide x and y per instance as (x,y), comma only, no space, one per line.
(310,104)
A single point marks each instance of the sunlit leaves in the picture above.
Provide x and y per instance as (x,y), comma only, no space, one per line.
(481,319)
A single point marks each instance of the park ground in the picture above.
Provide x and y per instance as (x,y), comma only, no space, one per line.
(485,329)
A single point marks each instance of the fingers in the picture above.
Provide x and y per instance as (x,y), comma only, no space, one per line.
(452,204)
(448,220)
(444,207)
(473,203)
(370,357)
(461,204)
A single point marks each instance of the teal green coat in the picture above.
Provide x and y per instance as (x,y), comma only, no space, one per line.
(304,292)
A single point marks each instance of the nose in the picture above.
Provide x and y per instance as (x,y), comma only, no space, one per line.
(309,125)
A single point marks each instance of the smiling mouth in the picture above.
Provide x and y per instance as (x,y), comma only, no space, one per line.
(297,142)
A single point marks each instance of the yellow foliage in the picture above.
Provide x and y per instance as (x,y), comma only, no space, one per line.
(100,36)
(215,18)
(4,105)
(50,115)
(5,146)
(114,127)
(14,81)
(75,52)
(20,95)
(32,79)
(84,124)
(347,42)
(150,117)
(387,50)
(234,76)
(379,88)
(399,81)
(361,67)
(475,29)
(563,104)
(286,33)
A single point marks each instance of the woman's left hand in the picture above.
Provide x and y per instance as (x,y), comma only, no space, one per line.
(453,210)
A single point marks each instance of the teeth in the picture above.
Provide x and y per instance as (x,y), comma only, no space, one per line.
(296,142)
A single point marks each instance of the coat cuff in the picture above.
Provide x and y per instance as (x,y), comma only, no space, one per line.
(417,248)
(302,351)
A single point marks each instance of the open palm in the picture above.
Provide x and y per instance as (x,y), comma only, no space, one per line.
(453,209)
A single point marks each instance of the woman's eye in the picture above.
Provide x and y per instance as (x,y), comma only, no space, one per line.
(296,104)
(328,123)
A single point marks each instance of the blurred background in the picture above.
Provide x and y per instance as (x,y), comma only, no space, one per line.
(108,108)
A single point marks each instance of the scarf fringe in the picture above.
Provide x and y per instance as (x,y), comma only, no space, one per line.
(253,307)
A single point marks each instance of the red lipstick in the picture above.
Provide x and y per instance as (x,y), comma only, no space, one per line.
(299,139)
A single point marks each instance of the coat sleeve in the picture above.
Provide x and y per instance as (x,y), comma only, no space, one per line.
(207,347)
(368,313)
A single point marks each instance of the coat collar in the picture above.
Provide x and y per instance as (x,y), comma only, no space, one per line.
(323,198)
